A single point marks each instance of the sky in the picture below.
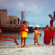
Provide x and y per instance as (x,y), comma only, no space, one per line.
(36,11)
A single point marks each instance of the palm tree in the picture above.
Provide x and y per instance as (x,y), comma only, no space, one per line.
(53,16)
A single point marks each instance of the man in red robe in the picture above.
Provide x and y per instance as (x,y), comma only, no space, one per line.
(51,28)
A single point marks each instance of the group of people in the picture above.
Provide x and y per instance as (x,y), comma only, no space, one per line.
(48,33)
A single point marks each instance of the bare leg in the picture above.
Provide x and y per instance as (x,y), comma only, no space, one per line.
(38,43)
(52,40)
(24,41)
(21,41)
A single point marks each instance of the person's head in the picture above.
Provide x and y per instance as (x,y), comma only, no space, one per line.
(46,26)
(24,22)
(36,28)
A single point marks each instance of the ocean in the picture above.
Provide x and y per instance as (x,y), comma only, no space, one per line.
(29,40)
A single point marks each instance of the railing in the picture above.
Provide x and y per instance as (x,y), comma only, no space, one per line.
(8,40)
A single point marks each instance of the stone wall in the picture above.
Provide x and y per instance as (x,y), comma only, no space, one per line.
(3,17)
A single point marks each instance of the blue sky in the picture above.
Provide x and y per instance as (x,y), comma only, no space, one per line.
(36,11)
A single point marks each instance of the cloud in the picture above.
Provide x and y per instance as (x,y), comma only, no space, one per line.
(25,5)
(29,6)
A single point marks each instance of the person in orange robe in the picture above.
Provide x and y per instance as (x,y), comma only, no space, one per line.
(36,33)
(24,32)
(46,35)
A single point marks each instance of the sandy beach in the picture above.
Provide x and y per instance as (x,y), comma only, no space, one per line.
(28,50)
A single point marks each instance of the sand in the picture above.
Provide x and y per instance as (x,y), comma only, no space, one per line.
(28,50)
